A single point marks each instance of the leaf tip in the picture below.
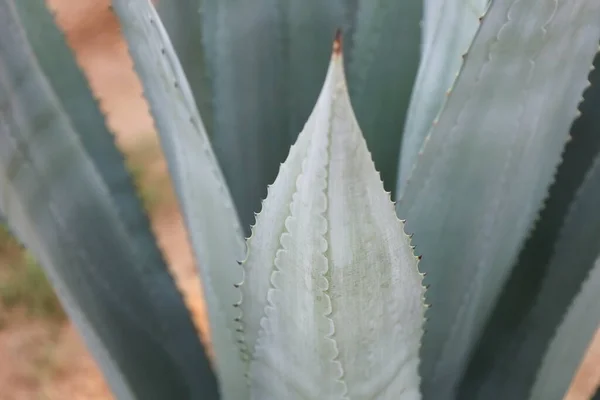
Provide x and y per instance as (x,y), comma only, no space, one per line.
(337,43)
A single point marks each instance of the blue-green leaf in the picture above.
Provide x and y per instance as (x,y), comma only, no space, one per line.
(73,218)
(510,374)
(270,59)
(522,288)
(448,30)
(487,165)
(208,210)
(572,339)
(385,55)
(72,90)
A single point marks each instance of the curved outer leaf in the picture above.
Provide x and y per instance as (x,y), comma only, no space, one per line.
(206,204)
(528,274)
(64,209)
(72,90)
(571,341)
(448,30)
(182,20)
(487,165)
(512,371)
(385,59)
(331,281)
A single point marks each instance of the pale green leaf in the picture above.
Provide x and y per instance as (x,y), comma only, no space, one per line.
(448,30)
(487,165)
(205,201)
(571,341)
(75,221)
(331,283)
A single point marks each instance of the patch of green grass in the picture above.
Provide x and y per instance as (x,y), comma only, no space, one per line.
(149,196)
(8,245)
(23,283)
(152,187)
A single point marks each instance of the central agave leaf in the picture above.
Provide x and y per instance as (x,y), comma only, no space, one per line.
(332,297)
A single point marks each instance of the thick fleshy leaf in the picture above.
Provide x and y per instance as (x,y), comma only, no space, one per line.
(522,289)
(72,90)
(571,341)
(76,220)
(270,60)
(331,283)
(448,30)
(269,64)
(511,372)
(488,163)
(181,19)
(209,214)
(385,58)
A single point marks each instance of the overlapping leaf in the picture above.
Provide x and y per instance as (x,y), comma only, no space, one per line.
(527,277)
(267,60)
(511,372)
(385,58)
(270,60)
(571,341)
(448,30)
(77,219)
(209,214)
(487,165)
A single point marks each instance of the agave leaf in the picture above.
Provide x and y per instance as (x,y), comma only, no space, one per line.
(448,30)
(181,19)
(487,165)
(385,58)
(59,203)
(270,60)
(518,357)
(331,281)
(522,289)
(210,218)
(571,341)
(72,90)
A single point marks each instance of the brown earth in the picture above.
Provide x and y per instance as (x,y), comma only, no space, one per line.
(47,361)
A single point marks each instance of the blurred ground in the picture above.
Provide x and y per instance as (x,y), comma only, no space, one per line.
(42,357)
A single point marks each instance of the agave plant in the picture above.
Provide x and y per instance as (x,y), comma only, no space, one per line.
(325,300)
